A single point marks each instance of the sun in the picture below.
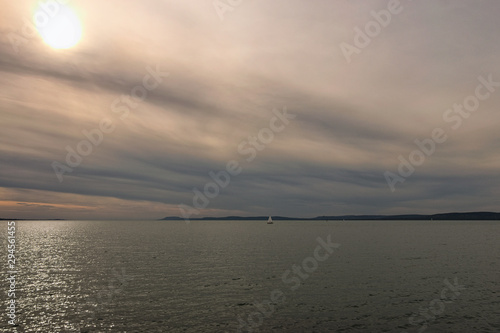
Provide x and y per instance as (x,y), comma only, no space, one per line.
(58,25)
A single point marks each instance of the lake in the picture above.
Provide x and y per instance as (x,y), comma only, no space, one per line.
(247,276)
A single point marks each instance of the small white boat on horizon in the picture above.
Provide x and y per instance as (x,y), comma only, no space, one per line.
(270,220)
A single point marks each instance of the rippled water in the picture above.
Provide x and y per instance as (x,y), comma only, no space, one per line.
(152,276)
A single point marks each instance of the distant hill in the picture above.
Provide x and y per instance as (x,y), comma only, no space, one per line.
(479,216)
(234,218)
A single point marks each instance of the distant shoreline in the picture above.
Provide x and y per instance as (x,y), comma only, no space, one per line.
(479,216)
(468,216)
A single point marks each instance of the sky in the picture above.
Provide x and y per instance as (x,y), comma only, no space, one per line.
(300,108)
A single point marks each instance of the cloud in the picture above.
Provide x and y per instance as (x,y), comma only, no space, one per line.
(352,120)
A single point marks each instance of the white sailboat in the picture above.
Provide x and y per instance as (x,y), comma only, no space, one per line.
(270,220)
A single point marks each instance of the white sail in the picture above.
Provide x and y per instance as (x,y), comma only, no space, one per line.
(270,220)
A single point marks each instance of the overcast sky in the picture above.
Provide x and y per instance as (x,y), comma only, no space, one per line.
(355,113)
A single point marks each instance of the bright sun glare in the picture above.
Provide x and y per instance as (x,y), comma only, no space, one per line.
(58,25)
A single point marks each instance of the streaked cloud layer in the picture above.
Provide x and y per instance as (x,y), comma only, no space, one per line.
(225,79)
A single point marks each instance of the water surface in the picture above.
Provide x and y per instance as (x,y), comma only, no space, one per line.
(157,276)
